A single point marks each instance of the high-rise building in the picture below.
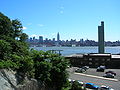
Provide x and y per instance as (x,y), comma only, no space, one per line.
(40,39)
(30,39)
(58,37)
(101,44)
(33,39)
(53,39)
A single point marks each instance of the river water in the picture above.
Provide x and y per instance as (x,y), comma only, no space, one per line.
(74,50)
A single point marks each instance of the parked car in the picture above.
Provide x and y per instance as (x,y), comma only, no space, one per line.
(81,83)
(80,70)
(103,87)
(112,72)
(109,75)
(70,80)
(100,69)
(85,67)
(91,86)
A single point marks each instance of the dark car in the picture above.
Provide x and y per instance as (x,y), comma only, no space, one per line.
(112,72)
(85,67)
(80,70)
(92,86)
(109,75)
(100,69)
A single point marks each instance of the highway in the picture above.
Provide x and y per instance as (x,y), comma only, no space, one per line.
(97,80)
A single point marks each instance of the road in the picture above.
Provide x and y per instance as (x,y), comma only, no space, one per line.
(113,83)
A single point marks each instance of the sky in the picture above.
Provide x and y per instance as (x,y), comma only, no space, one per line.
(73,19)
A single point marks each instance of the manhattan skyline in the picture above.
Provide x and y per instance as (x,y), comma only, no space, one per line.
(73,19)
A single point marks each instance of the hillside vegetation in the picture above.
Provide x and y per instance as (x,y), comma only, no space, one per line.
(15,54)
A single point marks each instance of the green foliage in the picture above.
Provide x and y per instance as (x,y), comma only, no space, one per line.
(50,68)
(46,66)
(23,37)
(17,28)
(58,72)
(42,70)
(5,25)
(26,66)
(5,49)
(8,64)
(76,86)
(14,51)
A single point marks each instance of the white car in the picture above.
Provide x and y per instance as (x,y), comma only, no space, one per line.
(103,87)
(80,82)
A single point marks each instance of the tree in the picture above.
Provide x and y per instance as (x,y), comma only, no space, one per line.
(17,28)
(5,25)
(23,37)
(50,68)
(76,86)
(14,51)
(58,72)
(5,49)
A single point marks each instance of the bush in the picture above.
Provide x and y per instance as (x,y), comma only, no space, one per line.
(76,86)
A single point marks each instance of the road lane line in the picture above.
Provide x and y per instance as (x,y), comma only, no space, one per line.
(97,77)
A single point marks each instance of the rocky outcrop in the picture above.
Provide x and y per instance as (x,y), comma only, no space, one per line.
(9,80)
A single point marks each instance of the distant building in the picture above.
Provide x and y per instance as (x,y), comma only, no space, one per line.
(53,41)
(30,39)
(34,39)
(58,37)
(41,39)
(101,44)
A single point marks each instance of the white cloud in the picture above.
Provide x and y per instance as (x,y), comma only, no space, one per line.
(24,28)
(41,25)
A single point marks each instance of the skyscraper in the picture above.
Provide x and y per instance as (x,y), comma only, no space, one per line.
(101,44)
(58,37)
(40,39)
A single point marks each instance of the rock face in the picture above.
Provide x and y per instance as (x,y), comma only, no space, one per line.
(9,81)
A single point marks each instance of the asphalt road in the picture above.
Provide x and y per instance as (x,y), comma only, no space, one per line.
(115,84)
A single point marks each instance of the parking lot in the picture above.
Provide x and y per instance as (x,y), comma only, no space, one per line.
(92,71)
(88,76)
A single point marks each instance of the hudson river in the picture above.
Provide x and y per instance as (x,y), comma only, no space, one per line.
(74,50)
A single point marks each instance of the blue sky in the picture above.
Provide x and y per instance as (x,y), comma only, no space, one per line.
(74,19)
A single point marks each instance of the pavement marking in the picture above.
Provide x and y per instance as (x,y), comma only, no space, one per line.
(97,77)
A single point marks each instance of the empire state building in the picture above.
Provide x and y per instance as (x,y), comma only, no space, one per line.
(58,37)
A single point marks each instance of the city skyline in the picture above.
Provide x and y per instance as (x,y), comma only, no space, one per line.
(72,19)
(46,42)
(55,38)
